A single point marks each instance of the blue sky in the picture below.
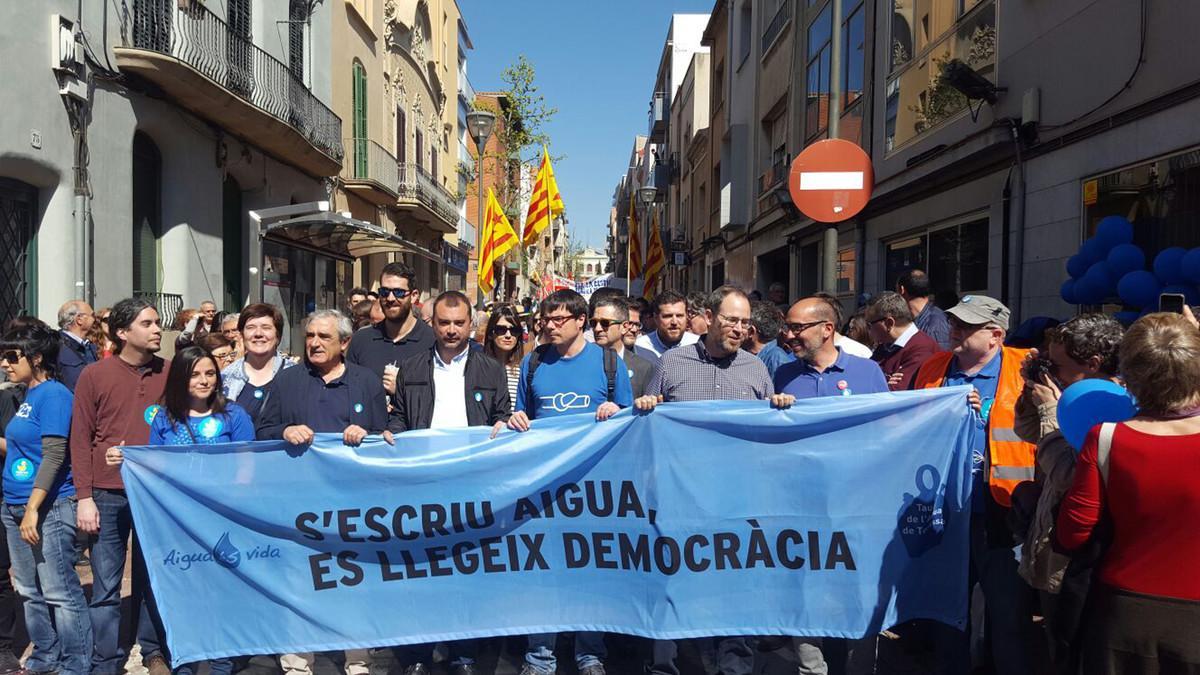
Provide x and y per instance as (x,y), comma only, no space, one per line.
(595,61)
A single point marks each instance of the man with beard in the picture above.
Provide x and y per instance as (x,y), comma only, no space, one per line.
(670,327)
(116,399)
(382,347)
(713,368)
(822,368)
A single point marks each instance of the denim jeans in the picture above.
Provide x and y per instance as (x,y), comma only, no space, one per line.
(589,651)
(8,597)
(56,614)
(1007,612)
(108,565)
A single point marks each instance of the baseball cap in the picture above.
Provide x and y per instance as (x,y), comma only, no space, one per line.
(980,309)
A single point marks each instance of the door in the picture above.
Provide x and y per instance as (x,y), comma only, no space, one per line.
(18,259)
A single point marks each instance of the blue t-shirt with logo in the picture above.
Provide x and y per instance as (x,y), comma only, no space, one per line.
(568,385)
(232,426)
(986,381)
(45,412)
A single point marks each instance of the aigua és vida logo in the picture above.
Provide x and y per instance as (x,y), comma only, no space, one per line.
(224,553)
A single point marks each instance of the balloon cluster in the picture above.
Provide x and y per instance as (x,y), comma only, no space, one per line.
(1109,264)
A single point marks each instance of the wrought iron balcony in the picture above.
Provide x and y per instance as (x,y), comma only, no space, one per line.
(418,187)
(370,171)
(218,73)
(167,304)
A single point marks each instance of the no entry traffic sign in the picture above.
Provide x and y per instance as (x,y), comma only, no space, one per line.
(831,180)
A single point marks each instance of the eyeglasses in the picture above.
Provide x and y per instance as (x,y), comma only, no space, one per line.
(227,357)
(603,324)
(398,293)
(733,321)
(514,331)
(634,325)
(11,355)
(558,321)
(103,319)
(797,328)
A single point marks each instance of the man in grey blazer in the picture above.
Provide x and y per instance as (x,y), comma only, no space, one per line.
(610,324)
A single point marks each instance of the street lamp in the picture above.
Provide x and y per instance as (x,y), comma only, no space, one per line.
(647,193)
(480,124)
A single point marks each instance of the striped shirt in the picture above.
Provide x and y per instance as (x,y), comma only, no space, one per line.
(690,374)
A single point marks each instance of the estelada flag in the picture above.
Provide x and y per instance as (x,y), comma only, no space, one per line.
(656,259)
(498,238)
(635,246)
(545,202)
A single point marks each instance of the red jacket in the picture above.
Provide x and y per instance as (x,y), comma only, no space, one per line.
(907,359)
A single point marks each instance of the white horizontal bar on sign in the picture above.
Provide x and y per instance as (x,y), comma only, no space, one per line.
(831,180)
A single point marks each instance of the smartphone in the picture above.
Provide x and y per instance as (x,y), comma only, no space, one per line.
(1171,302)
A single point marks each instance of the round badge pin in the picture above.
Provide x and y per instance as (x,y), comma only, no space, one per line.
(478,397)
(842,384)
(150,413)
(258,393)
(358,407)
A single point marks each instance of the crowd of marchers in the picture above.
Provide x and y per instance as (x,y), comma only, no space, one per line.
(1087,554)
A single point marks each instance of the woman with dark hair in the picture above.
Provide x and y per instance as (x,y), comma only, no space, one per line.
(219,347)
(248,380)
(39,504)
(503,343)
(1139,478)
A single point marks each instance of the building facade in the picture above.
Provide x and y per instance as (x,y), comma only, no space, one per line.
(138,156)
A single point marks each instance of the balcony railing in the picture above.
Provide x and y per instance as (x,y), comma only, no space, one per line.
(167,304)
(773,29)
(369,160)
(191,33)
(660,108)
(418,185)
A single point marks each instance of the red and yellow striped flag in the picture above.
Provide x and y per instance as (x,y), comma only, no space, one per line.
(656,259)
(498,237)
(545,202)
(635,246)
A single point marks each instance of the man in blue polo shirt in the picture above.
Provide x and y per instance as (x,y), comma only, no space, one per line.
(821,368)
(570,377)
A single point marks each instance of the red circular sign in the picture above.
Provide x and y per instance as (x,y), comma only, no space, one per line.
(831,180)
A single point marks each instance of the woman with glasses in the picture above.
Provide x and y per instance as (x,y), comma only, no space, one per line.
(248,379)
(39,504)
(193,411)
(220,347)
(503,343)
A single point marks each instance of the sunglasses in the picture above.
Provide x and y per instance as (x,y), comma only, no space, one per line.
(11,355)
(506,330)
(398,293)
(603,324)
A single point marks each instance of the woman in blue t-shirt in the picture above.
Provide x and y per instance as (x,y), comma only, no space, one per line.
(193,411)
(39,502)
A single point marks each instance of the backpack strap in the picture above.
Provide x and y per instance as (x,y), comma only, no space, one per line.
(610,372)
(535,359)
(1104,448)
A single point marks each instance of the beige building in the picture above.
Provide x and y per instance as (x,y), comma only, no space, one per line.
(395,67)
(688,201)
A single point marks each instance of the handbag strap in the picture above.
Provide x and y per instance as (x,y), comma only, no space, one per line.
(1104,448)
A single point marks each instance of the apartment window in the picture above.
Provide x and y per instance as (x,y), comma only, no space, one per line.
(820,50)
(846,269)
(297,20)
(745,30)
(1160,196)
(420,156)
(360,119)
(401,135)
(776,159)
(18,256)
(147,214)
(777,13)
(433,166)
(718,86)
(921,46)
(955,256)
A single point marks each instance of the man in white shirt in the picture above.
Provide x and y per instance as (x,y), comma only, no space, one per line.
(449,386)
(671,322)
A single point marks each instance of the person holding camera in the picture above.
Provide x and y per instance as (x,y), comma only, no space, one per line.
(1085,347)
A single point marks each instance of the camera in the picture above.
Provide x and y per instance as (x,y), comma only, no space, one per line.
(1040,366)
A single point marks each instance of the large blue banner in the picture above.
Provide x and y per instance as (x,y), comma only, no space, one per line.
(838,517)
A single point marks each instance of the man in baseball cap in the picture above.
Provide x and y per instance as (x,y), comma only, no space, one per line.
(1001,460)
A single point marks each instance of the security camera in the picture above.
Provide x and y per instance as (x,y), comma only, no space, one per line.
(970,83)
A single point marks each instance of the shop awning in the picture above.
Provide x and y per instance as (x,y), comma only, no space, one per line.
(345,236)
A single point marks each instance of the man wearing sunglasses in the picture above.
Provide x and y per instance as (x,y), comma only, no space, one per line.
(821,367)
(610,325)
(383,346)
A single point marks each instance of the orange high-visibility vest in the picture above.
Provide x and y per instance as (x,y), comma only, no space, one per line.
(1010,459)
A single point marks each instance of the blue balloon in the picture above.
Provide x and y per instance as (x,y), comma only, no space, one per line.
(1114,231)
(1127,318)
(1077,266)
(1090,402)
(1068,292)
(1188,292)
(1139,289)
(1168,265)
(1093,251)
(1190,265)
(1125,258)
(1089,290)
(1101,277)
